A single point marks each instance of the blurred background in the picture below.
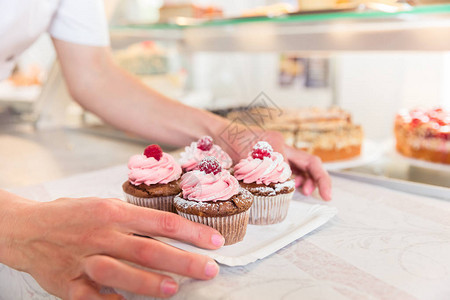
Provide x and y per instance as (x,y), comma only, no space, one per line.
(369,58)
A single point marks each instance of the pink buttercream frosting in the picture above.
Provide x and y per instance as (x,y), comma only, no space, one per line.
(199,186)
(192,156)
(148,170)
(271,169)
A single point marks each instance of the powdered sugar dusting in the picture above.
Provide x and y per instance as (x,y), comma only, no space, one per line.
(266,190)
(290,184)
(210,165)
(261,149)
(186,204)
(264,146)
(205,143)
(272,191)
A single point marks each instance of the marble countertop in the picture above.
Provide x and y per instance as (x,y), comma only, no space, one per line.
(383,244)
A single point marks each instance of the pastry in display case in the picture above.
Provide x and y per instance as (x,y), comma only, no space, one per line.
(423,134)
(156,64)
(22,89)
(144,58)
(170,12)
(326,132)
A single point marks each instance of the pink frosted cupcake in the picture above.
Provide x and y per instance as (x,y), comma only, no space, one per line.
(212,196)
(152,179)
(197,151)
(266,175)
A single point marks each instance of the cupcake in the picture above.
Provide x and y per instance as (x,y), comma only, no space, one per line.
(266,175)
(212,196)
(152,179)
(197,151)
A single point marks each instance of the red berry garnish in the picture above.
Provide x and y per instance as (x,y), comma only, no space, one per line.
(444,136)
(205,143)
(416,122)
(445,133)
(154,151)
(210,165)
(262,149)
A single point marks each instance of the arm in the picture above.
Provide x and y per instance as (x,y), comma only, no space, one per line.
(120,99)
(117,97)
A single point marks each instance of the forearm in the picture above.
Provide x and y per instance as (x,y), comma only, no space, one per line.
(121,100)
(128,104)
(14,216)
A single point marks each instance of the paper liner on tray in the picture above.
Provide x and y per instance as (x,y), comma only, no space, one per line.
(164,203)
(232,228)
(267,210)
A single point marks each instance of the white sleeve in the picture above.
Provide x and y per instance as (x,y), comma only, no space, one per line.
(80,22)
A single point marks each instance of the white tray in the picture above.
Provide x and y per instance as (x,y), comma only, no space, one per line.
(421,163)
(262,240)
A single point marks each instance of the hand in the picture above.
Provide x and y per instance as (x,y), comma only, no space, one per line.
(310,173)
(72,247)
(307,168)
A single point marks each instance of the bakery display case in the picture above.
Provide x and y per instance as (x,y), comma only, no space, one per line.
(284,43)
(351,57)
(21,93)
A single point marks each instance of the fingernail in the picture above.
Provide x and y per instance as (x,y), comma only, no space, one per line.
(217,240)
(169,287)
(308,190)
(211,269)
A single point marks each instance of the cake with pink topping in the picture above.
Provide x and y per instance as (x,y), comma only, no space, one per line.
(152,179)
(424,134)
(266,175)
(194,153)
(212,196)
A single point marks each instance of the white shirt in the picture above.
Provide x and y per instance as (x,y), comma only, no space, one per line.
(23,21)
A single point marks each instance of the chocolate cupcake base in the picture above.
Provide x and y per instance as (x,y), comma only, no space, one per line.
(229,217)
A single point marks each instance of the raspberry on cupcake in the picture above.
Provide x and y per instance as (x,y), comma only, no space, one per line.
(212,196)
(194,153)
(266,175)
(152,179)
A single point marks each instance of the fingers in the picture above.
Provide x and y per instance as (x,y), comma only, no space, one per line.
(83,289)
(308,187)
(152,222)
(157,255)
(321,177)
(113,273)
(314,173)
(299,181)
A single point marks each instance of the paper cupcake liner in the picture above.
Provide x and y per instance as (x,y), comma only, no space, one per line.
(164,203)
(267,210)
(232,228)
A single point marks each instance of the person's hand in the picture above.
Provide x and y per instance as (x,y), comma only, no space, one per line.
(73,247)
(307,168)
(309,173)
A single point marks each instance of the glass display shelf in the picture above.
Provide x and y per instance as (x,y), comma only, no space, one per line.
(421,28)
(399,173)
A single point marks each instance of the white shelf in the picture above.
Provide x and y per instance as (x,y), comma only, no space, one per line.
(425,28)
